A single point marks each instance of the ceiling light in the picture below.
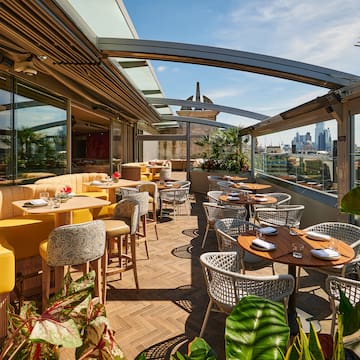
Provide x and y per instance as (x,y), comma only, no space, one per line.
(26,67)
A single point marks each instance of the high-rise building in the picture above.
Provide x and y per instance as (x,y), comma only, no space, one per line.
(319,130)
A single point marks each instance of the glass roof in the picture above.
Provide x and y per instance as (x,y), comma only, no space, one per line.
(115,22)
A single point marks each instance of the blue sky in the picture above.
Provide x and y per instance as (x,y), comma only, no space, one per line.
(321,32)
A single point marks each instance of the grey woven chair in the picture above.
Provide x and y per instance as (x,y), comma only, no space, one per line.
(225,185)
(283,215)
(175,198)
(214,195)
(213,182)
(349,234)
(282,199)
(351,289)
(214,212)
(227,231)
(226,286)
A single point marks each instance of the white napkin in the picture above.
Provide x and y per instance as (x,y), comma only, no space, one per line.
(263,244)
(96,182)
(268,230)
(325,253)
(317,236)
(38,202)
(261,199)
(233,198)
(235,194)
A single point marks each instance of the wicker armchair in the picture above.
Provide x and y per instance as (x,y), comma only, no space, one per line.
(283,215)
(227,232)
(349,234)
(226,286)
(214,212)
(351,289)
(225,185)
(213,182)
(174,198)
(214,195)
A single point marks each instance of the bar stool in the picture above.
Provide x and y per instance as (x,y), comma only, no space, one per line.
(152,189)
(143,199)
(71,245)
(123,223)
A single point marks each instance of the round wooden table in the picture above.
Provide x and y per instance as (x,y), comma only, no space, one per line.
(251,186)
(234,178)
(283,254)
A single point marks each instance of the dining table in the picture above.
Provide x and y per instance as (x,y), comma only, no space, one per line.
(254,187)
(234,178)
(63,214)
(282,252)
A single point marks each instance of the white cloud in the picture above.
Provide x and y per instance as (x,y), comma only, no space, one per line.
(223,93)
(161,68)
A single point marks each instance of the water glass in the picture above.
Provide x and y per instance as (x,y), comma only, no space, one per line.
(55,202)
(297,250)
(333,244)
(44,195)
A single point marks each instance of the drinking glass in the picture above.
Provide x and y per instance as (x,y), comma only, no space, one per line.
(44,195)
(297,250)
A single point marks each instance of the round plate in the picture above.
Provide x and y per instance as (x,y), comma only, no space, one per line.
(325,257)
(261,248)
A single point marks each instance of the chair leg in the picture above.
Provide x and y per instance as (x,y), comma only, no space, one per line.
(96,265)
(205,235)
(45,279)
(104,264)
(206,318)
(133,259)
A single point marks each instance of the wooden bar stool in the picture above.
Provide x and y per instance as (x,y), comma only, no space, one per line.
(71,245)
(118,228)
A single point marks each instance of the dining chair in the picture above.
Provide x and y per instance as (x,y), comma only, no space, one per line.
(174,198)
(349,234)
(123,224)
(351,289)
(213,195)
(183,184)
(151,188)
(226,286)
(227,232)
(283,215)
(71,245)
(226,185)
(213,182)
(282,199)
(213,212)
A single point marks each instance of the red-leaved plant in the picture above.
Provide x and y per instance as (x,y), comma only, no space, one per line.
(72,319)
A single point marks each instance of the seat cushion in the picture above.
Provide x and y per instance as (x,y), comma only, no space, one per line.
(115,228)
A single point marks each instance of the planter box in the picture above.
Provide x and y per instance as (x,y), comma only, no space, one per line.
(199,181)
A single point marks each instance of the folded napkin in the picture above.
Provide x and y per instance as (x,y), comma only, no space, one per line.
(36,202)
(317,236)
(263,244)
(96,182)
(268,230)
(233,198)
(235,194)
(325,253)
(260,199)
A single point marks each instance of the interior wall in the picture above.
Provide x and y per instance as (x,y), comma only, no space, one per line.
(150,149)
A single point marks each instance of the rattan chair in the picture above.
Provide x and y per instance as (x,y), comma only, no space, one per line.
(213,182)
(176,199)
(349,234)
(214,212)
(283,215)
(214,195)
(226,286)
(282,199)
(71,245)
(351,289)
(226,185)
(183,184)
(227,232)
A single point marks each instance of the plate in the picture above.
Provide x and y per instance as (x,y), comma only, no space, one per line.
(233,198)
(314,235)
(260,199)
(268,230)
(325,254)
(268,246)
(35,203)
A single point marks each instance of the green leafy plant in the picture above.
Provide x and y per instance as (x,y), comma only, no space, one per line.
(257,329)
(350,203)
(223,150)
(73,319)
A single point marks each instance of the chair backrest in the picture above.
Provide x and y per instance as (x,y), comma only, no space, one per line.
(176,195)
(128,211)
(76,243)
(143,199)
(213,182)
(125,191)
(183,183)
(283,215)
(226,286)
(348,233)
(282,199)
(228,229)
(213,195)
(350,287)
(214,211)
(149,187)
(225,185)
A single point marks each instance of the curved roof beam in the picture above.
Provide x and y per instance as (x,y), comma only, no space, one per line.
(194,120)
(207,106)
(226,58)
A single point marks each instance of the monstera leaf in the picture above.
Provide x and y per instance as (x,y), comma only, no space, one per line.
(350,203)
(256,329)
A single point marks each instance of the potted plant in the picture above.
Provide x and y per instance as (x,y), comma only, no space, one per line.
(73,319)
(257,329)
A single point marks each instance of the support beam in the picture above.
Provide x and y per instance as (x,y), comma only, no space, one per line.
(188,119)
(226,58)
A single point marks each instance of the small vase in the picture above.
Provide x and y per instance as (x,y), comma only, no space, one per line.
(115,180)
